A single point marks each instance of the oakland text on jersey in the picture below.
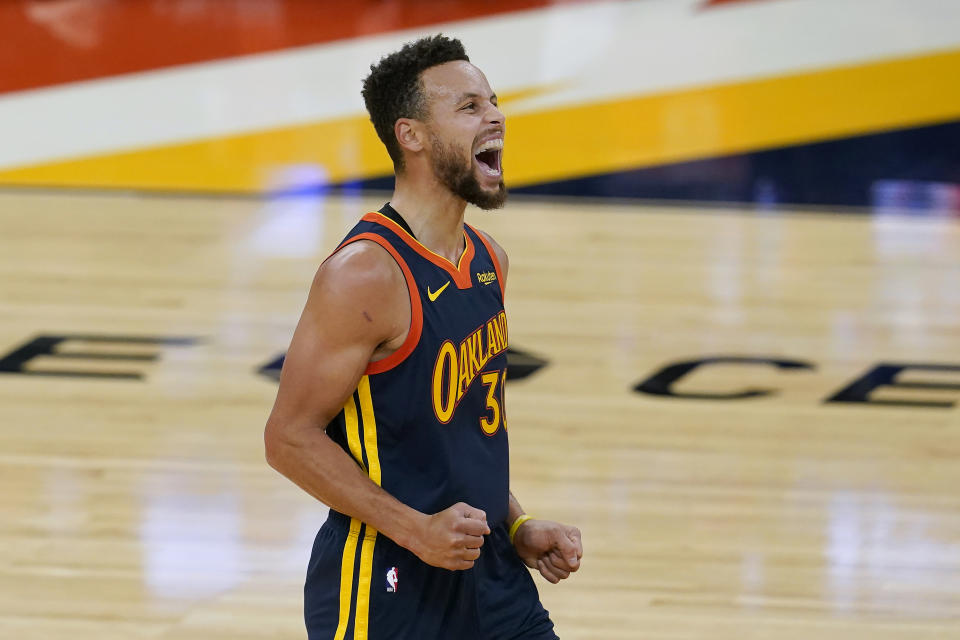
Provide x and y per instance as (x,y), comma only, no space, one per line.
(456,368)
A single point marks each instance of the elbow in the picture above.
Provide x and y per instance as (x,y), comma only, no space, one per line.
(284,443)
(273,446)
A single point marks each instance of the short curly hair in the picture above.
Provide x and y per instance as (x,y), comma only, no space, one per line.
(394,89)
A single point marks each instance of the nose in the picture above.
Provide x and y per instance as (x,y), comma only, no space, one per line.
(494,115)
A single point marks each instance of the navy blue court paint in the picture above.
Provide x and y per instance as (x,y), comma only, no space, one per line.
(916,168)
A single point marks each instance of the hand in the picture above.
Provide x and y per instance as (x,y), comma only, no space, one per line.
(552,548)
(452,538)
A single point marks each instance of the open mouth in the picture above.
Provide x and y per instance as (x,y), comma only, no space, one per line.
(488,157)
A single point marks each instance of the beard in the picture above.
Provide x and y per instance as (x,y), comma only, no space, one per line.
(461,179)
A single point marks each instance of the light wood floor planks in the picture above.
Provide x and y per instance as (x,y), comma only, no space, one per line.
(143,508)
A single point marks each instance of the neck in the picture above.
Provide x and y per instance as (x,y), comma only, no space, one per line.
(434,214)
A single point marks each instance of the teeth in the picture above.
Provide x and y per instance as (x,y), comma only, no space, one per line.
(489,145)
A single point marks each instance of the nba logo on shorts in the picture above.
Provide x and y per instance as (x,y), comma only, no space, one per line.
(392,580)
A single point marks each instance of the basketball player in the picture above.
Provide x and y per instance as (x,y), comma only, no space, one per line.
(390,407)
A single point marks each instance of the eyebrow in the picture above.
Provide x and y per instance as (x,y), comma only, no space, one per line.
(466,96)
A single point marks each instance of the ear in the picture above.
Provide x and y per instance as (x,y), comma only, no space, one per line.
(410,134)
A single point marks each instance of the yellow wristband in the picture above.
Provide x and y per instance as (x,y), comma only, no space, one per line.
(516,525)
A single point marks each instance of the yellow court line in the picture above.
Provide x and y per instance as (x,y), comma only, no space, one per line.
(734,118)
(632,132)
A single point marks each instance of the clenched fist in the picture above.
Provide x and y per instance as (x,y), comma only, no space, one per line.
(452,538)
(552,548)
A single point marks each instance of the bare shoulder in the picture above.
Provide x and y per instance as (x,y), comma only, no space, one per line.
(362,286)
(360,267)
(497,249)
(357,310)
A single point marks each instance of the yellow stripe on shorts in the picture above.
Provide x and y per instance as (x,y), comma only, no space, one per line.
(370,536)
(346,577)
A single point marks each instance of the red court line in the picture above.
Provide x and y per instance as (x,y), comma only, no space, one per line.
(48,42)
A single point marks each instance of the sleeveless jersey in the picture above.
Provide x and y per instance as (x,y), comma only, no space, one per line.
(428,422)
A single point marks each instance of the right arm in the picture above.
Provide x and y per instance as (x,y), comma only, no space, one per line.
(357,311)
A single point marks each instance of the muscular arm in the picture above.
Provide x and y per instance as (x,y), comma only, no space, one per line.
(358,310)
(552,548)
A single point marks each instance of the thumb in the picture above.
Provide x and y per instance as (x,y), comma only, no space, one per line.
(574,534)
(568,549)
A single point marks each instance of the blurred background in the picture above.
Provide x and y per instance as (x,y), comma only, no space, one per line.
(734,304)
(815,102)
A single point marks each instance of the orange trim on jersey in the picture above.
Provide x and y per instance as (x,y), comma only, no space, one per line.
(496,261)
(416,308)
(460,273)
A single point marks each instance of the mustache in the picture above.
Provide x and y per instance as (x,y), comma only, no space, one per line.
(490,132)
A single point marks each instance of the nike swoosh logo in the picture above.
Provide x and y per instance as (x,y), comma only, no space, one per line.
(433,295)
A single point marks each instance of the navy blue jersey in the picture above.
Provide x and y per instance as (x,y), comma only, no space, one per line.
(428,423)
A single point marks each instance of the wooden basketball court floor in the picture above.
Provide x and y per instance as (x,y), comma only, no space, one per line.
(143,508)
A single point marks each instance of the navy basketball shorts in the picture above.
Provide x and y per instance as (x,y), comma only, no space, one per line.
(362,586)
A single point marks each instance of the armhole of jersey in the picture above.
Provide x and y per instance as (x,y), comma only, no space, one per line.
(496,262)
(416,309)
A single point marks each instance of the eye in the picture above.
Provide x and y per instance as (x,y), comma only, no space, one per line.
(469,105)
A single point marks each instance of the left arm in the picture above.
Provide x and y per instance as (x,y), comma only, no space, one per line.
(552,548)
